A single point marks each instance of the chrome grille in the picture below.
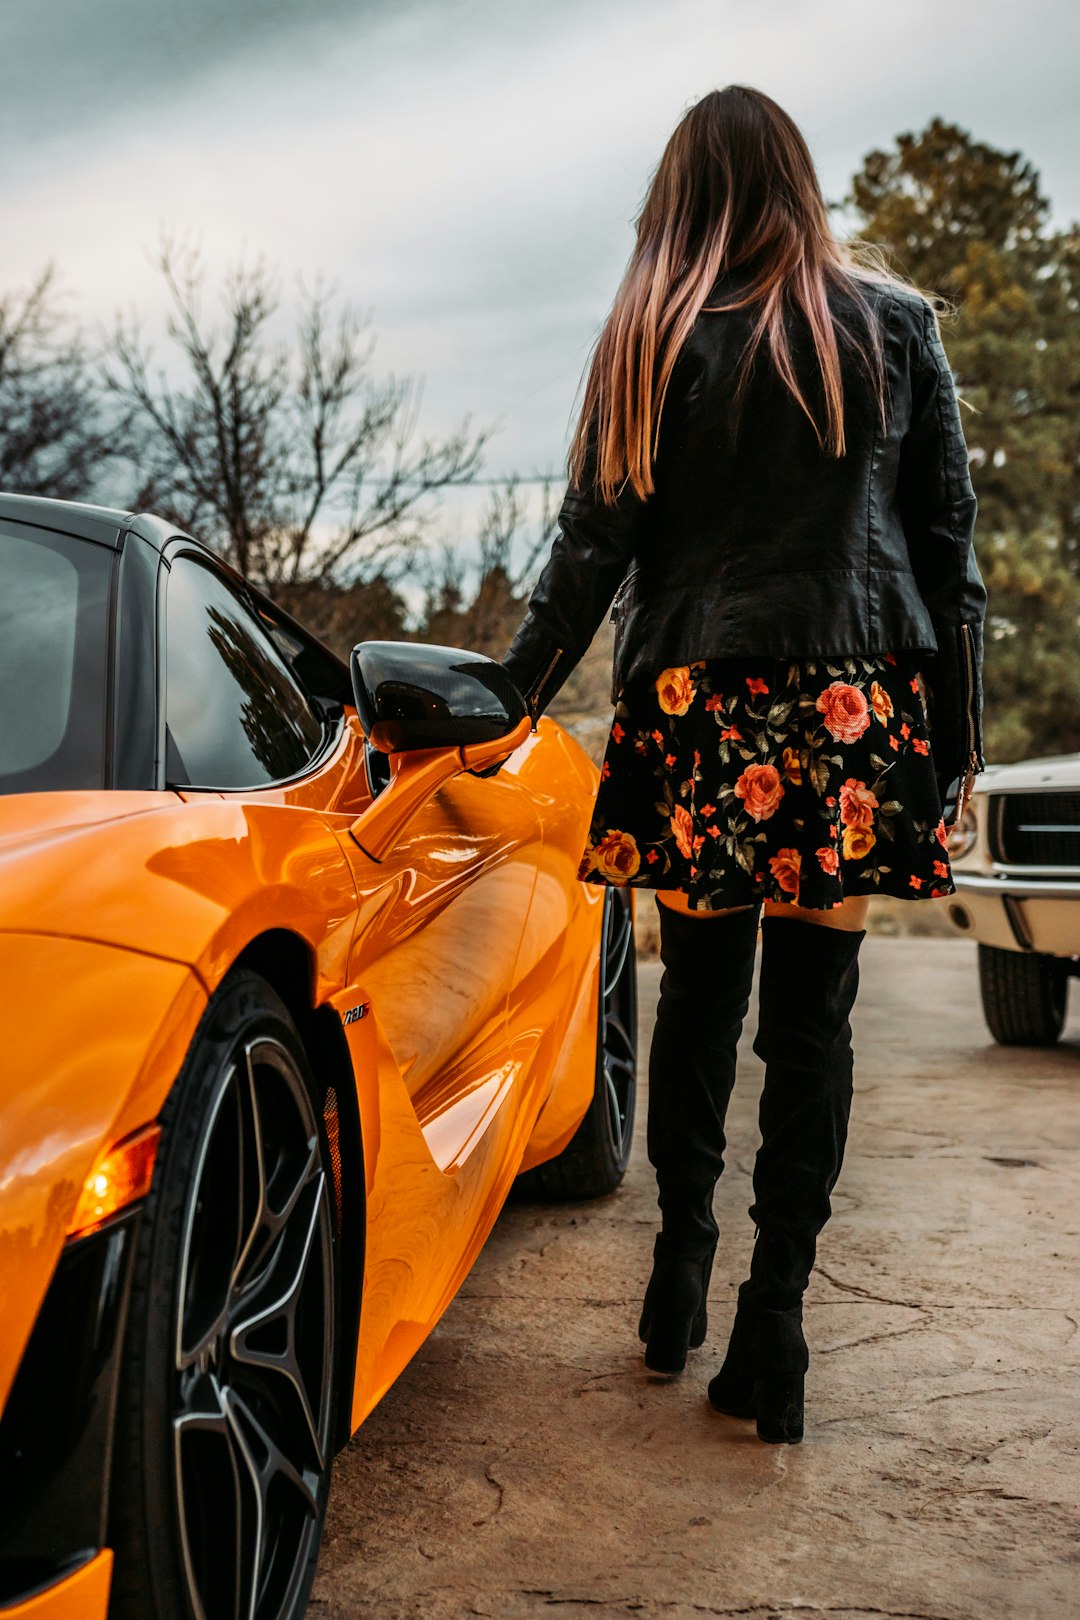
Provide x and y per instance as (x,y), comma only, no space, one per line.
(1035,829)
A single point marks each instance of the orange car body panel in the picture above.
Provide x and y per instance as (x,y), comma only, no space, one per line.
(471,947)
(82,1596)
(76,1025)
(447,1122)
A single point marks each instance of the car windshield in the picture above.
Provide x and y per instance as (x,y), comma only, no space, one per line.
(54,636)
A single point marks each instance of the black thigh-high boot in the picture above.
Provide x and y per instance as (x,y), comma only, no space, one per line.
(807,987)
(704,994)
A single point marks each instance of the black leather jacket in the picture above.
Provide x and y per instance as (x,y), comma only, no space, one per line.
(755,542)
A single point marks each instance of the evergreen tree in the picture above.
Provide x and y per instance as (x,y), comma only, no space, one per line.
(966,221)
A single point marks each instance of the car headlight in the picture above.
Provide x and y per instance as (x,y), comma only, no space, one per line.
(961,837)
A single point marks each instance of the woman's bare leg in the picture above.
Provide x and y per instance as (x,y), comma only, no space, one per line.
(677,901)
(851,914)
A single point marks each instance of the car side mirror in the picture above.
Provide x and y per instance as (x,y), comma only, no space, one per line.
(437,711)
(413,696)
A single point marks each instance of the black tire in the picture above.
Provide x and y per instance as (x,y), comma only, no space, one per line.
(594,1161)
(224,1438)
(1023,995)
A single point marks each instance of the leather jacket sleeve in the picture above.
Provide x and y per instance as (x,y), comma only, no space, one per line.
(938,507)
(589,558)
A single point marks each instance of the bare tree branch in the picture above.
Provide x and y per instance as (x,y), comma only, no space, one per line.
(55,437)
(304,465)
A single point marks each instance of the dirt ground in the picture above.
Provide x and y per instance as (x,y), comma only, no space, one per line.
(526,1463)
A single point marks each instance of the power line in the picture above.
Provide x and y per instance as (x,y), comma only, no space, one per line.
(470,483)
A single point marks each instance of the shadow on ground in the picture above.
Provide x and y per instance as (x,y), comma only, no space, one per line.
(526,1464)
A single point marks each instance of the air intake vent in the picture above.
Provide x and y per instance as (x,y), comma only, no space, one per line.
(333,1136)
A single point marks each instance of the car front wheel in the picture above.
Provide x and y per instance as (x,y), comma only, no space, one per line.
(1023,995)
(222,1464)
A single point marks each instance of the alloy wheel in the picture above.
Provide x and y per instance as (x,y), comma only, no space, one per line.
(618,1021)
(251,1403)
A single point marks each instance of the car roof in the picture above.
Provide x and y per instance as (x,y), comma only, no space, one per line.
(86,521)
(100,523)
(106,524)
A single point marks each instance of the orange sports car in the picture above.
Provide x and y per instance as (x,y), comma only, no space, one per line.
(296,979)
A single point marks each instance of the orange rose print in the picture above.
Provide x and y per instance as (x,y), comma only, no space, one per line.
(857,804)
(880,702)
(683,828)
(846,711)
(761,789)
(784,866)
(616,857)
(684,717)
(858,842)
(674,690)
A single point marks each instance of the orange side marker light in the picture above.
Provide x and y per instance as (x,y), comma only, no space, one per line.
(119,1177)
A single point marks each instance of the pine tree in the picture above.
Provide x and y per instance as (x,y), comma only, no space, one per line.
(969,222)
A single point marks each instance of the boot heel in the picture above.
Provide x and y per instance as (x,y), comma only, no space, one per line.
(763,1375)
(779,1387)
(674,1318)
(779,1408)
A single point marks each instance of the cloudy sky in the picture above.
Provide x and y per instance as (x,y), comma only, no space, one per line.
(466,170)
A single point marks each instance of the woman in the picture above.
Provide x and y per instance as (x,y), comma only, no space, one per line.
(770,461)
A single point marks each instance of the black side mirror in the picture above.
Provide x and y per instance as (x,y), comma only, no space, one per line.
(410,696)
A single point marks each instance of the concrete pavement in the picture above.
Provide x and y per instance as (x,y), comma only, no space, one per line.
(526,1464)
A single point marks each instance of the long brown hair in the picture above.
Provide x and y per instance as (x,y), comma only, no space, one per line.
(735,189)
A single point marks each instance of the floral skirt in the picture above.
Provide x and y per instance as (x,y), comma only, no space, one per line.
(807,780)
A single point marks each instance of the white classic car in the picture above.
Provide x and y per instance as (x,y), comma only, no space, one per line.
(1015,855)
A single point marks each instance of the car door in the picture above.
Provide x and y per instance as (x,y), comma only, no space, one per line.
(440,918)
(440,923)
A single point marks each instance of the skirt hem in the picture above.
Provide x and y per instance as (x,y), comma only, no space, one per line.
(940,891)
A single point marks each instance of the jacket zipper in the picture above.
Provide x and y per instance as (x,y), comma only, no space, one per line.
(969,673)
(532,697)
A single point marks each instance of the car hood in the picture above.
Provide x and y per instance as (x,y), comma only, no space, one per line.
(1046,771)
(30,819)
(186,881)
(67,864)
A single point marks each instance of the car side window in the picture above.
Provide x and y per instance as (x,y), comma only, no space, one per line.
(235,717)
(54,655)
